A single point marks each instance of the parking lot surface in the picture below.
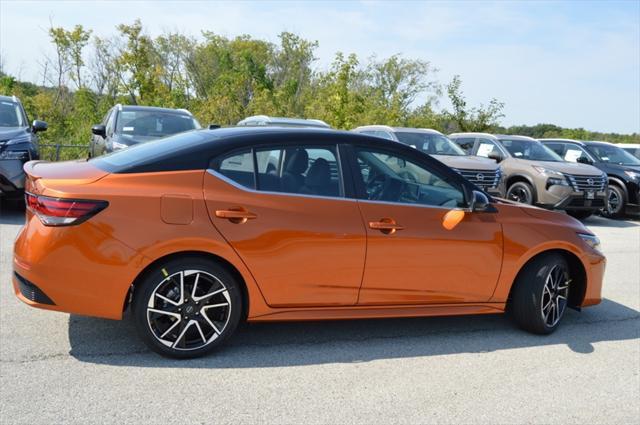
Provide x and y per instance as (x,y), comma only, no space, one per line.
(56,368)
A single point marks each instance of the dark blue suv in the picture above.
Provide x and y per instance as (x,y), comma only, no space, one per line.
(18,144)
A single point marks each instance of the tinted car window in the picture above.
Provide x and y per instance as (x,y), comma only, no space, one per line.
(465,143)
(433,144)
(304,170)
(394,178)
(239,167)
(153,123)
(488,147)
(11,115)
(613,154)
(146,153)
(529,149)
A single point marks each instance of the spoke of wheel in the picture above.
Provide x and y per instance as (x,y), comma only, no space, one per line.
(186,328)
(171,327)
(215,329)
(162,297)
(195,286)
(200,331)
(211,294)
(168,313)
(546,305)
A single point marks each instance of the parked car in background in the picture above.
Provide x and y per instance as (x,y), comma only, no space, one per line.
(127,125)
(483,172)
(535,175)
(18,144)
(194,234)
(632,148)
(265,120)
(621,168)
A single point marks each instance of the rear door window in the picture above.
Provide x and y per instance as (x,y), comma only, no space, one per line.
(305,170)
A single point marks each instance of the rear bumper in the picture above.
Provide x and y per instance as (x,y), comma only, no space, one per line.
(79,269)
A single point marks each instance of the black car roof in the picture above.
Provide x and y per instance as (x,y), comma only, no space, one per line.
(195,149)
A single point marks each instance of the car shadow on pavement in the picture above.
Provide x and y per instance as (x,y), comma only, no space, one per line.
(12,212)
(260,345)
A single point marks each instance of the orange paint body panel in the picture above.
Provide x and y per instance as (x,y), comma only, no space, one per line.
(300,258)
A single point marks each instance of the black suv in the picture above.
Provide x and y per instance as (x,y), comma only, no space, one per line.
(622,168)
(126,125)
(18,144)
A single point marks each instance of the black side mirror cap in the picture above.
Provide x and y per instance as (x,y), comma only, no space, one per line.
(38,125)
(99,130)
(480,203)
(496,157)
(584,160)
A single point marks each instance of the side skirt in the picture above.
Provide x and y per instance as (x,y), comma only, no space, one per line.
(378,312)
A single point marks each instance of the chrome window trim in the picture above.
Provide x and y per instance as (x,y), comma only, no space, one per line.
(267,192)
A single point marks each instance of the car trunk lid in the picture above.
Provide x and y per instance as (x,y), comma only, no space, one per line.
(42,174)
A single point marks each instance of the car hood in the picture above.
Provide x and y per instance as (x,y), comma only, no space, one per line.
(467,162)
(622,168)
(8,133)
(554,217)
(567,167)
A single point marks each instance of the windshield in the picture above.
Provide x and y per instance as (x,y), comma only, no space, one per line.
(153,123)
(613,154)
(431,143)
(530,149)
(11,115)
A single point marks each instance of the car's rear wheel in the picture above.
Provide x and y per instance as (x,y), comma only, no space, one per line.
(615,202)
(187,307)
(580,214)
(540,294)
(520,192)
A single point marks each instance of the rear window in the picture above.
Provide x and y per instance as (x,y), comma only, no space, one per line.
(149,152)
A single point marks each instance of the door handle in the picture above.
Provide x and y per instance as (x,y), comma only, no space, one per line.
(388,226)
(236,215)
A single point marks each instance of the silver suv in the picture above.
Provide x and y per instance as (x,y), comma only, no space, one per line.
(534,174)
(483,172)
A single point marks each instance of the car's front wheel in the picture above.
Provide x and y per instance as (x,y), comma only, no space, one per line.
(520,192)
(186,307)
(615,202)
(540,294)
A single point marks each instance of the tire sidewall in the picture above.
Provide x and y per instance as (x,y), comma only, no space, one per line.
(525,186)
(621,206)
(147,284)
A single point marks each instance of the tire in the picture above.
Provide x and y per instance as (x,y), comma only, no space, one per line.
(580,214)
(520,192)
(174,322)
(616,202)
(544,278)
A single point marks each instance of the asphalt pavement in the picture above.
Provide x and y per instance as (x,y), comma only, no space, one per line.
(57,368)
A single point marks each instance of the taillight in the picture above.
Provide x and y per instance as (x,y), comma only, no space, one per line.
(63,211)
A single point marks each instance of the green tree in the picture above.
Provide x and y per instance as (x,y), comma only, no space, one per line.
(481,118)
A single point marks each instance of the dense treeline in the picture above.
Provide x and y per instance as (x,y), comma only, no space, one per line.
(222,80)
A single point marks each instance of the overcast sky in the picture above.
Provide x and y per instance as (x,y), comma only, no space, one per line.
(575,64)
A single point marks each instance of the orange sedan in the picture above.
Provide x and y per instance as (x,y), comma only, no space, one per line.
(201,230)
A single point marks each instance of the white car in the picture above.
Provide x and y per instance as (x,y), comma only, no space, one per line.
(632,148)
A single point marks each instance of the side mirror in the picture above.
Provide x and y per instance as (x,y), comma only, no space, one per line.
(495,156)
(99,130)
(480,203)
(584,160)
(38,125)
